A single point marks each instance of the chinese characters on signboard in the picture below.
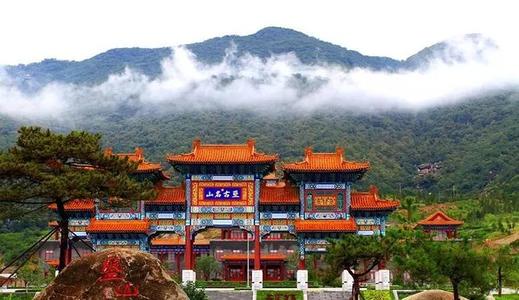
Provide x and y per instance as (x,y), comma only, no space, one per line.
(325,200)
(222,193)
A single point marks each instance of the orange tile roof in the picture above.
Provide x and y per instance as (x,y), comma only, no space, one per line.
(53,224)
(222,154)
(270,176)
(326,225)
(177,240)
(52,262)
(167,241)
(243,256)
(370,201)
(326,162)
(137,157)
(168,195)
(439,218)
(118,226)
(280,194)
(76,205)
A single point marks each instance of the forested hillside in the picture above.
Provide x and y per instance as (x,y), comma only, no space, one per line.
(476,142)
(264,43)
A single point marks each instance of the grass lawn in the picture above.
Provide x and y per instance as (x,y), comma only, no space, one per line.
(376,295)
(19,296)
(288,295)
(508,297)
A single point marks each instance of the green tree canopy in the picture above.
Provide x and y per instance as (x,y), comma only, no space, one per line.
(506,264)
(207,265)
(358,255)
(52,168)
(436,262)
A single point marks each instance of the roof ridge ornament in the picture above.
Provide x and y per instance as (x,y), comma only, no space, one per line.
(139,152)
(308,152)
(108,151)
(373,190)
(340,153)
(251,143)
(196,144)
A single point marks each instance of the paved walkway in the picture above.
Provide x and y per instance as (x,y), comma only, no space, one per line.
(228,294)
(313,294)
(328,295)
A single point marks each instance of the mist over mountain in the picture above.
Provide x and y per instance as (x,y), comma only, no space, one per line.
(454,102)
(263,44)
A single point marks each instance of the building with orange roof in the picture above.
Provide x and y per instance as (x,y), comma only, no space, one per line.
(440,226)
(232,204)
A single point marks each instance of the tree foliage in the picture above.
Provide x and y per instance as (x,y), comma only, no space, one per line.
(35,273)
(358,254)
(207,265)
(434,263)
(506,266)
(50,168)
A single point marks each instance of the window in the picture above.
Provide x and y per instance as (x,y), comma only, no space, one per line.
(49,254)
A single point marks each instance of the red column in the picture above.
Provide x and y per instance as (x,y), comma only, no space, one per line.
(257,248)
(226,276)
(177,259)
(301,265)
(188,249)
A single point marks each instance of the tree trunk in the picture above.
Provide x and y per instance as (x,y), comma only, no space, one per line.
(355,291)
(63,226)
(455,291)
(499,281)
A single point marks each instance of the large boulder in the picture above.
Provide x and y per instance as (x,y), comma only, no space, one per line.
(433,295)
(114,274)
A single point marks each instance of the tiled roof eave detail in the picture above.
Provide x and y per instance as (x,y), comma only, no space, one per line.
(118,226)
(377,207)
(450,223)
(223,162)
(439,218)
(326,225)
(319,170)
(278,202)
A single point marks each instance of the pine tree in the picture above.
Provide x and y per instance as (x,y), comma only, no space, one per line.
(358,255)
(46,168)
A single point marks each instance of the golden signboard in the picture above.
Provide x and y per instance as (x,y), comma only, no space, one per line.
(199,190)
(325,200)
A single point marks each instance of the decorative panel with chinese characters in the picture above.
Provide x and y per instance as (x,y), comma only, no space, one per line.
(321,200)
(222,193)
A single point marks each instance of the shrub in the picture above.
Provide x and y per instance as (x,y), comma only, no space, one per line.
(376,295)
(194,293)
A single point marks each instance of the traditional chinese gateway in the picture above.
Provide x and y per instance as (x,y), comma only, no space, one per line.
(229,200)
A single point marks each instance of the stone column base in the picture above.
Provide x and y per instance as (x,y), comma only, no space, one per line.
(347,281)
(188,276)
(382,280)
(257,279)
(302,279)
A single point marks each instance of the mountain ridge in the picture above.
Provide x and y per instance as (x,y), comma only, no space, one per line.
(263,44)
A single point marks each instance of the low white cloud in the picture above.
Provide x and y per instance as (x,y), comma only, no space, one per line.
(278,83)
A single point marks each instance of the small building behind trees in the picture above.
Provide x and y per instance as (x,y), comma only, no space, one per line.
(440,225)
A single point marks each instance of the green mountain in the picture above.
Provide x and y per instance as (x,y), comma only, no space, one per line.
(264,43)
(476,142)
